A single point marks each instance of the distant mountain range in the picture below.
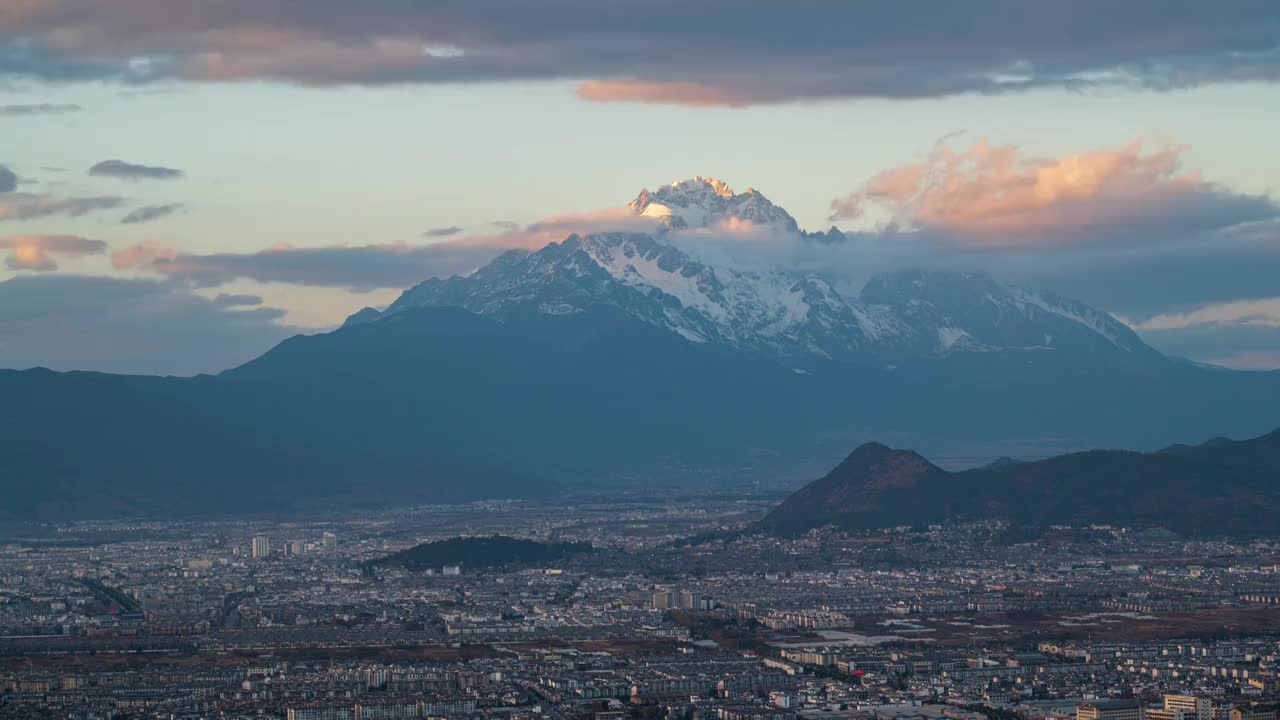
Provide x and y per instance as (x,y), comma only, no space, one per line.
(606,359)
(1219,488)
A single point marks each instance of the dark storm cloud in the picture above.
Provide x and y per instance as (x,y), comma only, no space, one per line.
(70,322)
(149,213)
(38,109)
(716,52)
(8,180)
(132,171)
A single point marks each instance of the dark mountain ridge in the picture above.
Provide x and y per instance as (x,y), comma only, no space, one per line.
(440,405)
(1218,488)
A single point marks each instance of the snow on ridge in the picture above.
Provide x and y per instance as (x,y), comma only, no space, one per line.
(740,303)
(949,336)
(1093,320)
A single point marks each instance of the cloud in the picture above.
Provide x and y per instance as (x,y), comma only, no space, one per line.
(1249,345)
(131,171)
(8,180)
(1241,334)
(504,225)
(31,206)
(443,232)
(150,212)
(690,94)
(72,322)
(367,267)
(1260,313)
(713,53)
(36,252)
(38,109)
(1250,361)
(357,267)
(224,300)
(999,196)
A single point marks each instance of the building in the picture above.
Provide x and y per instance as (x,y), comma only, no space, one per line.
(663,600)
(1252,712)
(330,540)
(261,546)
(1191,707)
(687,600)
(1110,710)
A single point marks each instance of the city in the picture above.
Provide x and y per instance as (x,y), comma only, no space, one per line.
(676,611)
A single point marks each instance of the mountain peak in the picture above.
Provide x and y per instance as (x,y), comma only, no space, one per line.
(880,464)
(871,450)
(868,484)
(716,185)
(703,202)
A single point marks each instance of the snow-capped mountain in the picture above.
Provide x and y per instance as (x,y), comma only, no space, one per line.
(704,202)
(778,313)
(786,315)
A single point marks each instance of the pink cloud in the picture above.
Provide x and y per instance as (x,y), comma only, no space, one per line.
(141,255)
(690,94)
(998,196)
(36,252)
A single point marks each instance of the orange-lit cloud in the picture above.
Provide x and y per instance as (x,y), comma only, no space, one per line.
(37,252)
(999,196)
(690,94)
(141,255)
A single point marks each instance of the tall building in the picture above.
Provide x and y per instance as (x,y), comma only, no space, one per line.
(686,600)
(261,546)
(663,600)
(1110,710)
(330,540)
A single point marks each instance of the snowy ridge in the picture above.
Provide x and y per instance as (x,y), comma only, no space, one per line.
(1117,332)
(897,317)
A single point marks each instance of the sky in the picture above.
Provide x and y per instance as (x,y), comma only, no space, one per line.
(182,185)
